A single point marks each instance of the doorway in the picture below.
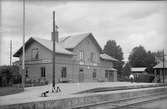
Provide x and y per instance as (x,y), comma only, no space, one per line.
(81,75)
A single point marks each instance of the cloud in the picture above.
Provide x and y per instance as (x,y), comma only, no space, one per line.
(11,18)
(142,10)
(129,23)
(5,49)
(142,13)
(151,41)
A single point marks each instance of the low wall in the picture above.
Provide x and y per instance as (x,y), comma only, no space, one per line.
(84,99)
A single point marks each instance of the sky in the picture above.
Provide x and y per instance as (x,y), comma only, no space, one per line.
(129,23)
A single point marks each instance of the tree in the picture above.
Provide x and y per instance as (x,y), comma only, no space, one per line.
(126,69)
(6,76)
(150,62)
(112,49)
(158,56)
(9,75)
(139,57)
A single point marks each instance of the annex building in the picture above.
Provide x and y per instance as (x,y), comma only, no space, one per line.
(79,58)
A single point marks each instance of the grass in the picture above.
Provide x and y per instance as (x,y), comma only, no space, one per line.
(9,90)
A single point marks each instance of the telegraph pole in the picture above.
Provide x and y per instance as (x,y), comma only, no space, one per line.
(10,52)
(53,39)
(163,67)
(23,56)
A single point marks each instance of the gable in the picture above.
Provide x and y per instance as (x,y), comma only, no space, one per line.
(44,53)
(89,49)
(47,44)
(73,41)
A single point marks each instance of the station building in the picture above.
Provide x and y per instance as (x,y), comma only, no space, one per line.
(79,58)
(159,69)
(138,71)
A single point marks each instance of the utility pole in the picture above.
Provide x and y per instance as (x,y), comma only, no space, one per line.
(53,39)
(163,67)
(10,52)
(23,56)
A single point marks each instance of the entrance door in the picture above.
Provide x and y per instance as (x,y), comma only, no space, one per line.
(110,75)
(81,75)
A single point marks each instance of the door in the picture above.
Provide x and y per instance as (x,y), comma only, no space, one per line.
(110,75)
(81,75)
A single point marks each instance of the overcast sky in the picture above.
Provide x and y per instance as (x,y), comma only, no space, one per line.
(130,24)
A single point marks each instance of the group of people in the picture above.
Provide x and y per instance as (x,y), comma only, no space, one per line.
(54,89)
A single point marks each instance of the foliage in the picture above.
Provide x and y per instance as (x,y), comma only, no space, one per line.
(127,69)
(112,49)
(9,75)
(139,57)
(144,78)
(159,56)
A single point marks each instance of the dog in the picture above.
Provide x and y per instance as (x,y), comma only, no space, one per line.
(44,94)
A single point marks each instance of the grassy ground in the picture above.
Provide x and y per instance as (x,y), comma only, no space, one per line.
(9,90)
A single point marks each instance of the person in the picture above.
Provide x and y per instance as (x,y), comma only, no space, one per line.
(57,89)
(131,77)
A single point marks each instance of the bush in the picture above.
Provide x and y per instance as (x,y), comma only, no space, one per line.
(144,78)
(9,75)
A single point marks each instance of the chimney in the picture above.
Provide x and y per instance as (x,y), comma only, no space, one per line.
(55,30)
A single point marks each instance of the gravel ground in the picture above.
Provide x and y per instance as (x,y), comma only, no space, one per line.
(33,93)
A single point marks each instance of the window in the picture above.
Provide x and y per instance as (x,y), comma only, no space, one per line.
(63,72)
(81,55)
(43,74)
(81,69)
(26,72)
(35,54)
(88,42)
(94,73)
(106,73)
(92,57)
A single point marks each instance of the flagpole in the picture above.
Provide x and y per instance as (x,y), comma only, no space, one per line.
(23,56)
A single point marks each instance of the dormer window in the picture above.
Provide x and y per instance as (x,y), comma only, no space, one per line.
(35,54)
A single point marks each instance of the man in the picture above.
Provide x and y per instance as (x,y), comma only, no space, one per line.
(131,77)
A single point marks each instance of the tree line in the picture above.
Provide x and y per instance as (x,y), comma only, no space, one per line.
(138,57)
